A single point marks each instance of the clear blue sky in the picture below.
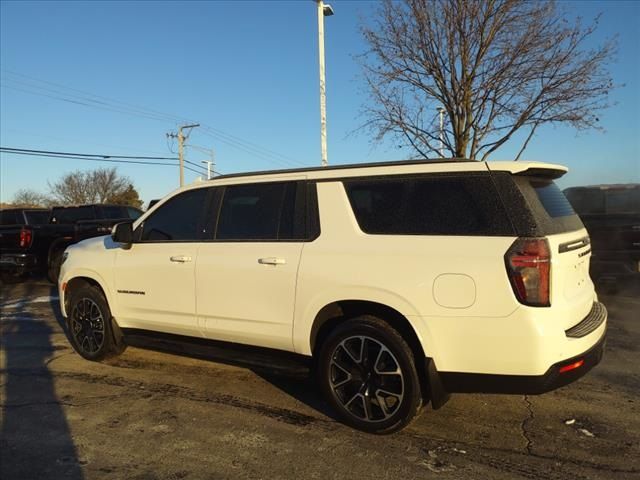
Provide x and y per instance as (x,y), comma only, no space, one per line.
(250,70)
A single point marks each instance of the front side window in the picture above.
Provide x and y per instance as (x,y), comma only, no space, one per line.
(178,220)
(435,205)
(257,212)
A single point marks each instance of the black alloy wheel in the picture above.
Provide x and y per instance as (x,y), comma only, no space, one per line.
(366,378)
(87,326)
(367,374)
(90,324)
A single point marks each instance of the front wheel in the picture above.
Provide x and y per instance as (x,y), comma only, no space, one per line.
(55,264)
(367,373)
(90,328)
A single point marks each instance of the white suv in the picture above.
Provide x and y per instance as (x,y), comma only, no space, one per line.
(403,281)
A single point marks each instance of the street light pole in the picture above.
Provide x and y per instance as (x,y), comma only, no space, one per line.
(441,111)
(323,10)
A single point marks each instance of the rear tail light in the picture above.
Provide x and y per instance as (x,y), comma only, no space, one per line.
(529,267)
(25,238)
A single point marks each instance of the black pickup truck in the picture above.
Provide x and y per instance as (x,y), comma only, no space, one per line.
(611,215)
(33,240)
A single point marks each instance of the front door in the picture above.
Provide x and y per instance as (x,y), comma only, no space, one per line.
(155,278)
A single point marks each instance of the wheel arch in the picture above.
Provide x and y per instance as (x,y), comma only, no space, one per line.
(332,314)
(76,282)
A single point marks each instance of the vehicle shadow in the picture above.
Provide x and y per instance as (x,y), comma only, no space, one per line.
(288,372)
(35,439)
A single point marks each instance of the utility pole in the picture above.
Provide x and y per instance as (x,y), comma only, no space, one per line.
(181,138)
(323,11)
(441,111)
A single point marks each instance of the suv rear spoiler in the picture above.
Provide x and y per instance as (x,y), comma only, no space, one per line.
(538,169)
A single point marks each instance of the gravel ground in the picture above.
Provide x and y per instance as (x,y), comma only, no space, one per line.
(223,413)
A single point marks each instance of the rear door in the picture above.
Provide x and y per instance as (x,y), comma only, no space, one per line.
(246,274)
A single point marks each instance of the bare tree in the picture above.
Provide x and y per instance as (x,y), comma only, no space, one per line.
(30,198)
(97,186)
(495,66)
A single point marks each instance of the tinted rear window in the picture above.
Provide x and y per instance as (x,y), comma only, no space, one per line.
(552,198)
(37,217)
(433,205)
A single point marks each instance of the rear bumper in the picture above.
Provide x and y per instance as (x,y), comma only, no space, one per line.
(525,384)
(18,262)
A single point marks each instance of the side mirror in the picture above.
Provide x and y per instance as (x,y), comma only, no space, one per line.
(123,233)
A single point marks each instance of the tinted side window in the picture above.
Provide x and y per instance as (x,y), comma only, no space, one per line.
(625,200)
(177,220)
(113,212)
(133,213)
(586,201)
(37,217)
(263,211)
(8,218)
(435,205)
(72,214)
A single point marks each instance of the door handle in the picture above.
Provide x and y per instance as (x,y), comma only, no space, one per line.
(180,258)
(272,261)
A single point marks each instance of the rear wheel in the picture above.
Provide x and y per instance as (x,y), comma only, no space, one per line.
(367,373)
(89,320)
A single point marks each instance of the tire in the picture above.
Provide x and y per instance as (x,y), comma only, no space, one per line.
(55,263)
(91,332)
(380,396)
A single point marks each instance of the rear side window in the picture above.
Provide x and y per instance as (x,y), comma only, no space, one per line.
(178,220)
(434,205)
(72,214)
(552,198)
(114,212)
(623,200)
(8,218)
(37,217)
(263,211)
(586,201)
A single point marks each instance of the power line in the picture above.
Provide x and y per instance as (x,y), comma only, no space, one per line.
(199,166)
(110,104)
(87,158)
(137,157)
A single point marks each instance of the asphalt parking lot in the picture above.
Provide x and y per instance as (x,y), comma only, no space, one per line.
(213,412)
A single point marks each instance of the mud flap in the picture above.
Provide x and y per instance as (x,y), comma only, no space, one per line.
(439,396)
(118,336)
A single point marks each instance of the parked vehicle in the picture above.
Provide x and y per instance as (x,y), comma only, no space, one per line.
(29,243)
(403,282)
(611,215)
(15,232)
